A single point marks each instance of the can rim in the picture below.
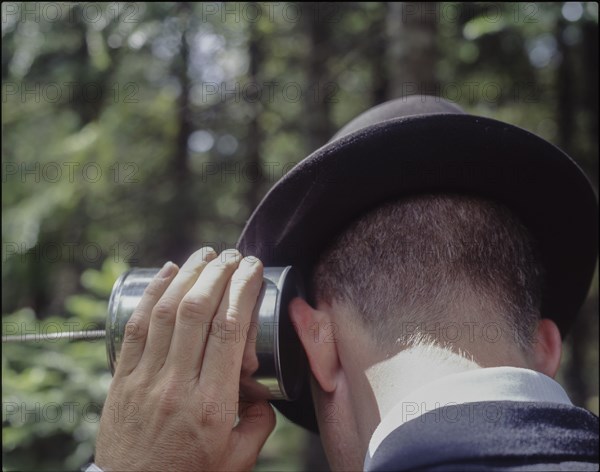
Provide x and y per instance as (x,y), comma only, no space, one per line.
(110,317)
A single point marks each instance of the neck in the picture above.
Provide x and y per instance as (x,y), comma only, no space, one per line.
(394,377)
(390,378)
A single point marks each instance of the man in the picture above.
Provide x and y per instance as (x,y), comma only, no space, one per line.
(445,254)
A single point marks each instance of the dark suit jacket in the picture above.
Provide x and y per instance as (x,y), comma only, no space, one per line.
(493,436)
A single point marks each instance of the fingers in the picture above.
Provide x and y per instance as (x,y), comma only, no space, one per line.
(195,315)
(164,312)
(221,368)
(175,341)
(137,326)
(257,421)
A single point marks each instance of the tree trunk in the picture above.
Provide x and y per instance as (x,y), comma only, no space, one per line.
(411,54)
(316,98)
(575,343)
(255,137)
(566,98)
(180,213)
(380,83)
(590,98)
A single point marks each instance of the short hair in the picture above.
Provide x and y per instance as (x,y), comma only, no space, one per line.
(422,260)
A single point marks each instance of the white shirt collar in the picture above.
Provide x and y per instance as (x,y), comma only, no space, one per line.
(485,384)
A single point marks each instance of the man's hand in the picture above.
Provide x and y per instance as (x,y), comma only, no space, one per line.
(173,402)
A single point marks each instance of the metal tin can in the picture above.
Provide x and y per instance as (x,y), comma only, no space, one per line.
(274,365)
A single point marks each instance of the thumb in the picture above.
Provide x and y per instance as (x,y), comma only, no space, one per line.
(257,421)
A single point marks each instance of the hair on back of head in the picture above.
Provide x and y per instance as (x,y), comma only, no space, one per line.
(412,264)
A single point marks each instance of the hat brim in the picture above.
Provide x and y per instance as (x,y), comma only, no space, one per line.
(435,153)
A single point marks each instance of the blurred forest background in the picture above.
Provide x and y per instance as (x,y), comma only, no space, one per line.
(136,132)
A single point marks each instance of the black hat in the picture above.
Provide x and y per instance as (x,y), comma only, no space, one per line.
(424,144)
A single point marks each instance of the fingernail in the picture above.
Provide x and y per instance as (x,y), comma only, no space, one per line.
(201,255)
(208,251)
(229,254)
(167,270)
(250,260)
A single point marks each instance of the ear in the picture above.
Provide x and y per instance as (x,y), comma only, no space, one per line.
(316,329)
(547,348)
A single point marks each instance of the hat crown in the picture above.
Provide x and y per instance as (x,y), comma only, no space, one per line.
(399,108)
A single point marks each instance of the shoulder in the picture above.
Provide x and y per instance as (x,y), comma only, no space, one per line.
(505,435)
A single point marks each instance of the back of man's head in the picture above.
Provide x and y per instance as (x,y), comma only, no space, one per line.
(438,267)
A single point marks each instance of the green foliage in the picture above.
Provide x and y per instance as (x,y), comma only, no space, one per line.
(53,390)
